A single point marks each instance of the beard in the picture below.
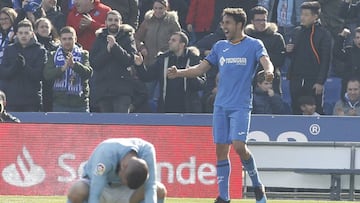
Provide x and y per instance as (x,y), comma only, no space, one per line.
(113,29)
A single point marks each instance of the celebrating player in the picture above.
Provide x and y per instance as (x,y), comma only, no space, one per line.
(119,170)
(237,59)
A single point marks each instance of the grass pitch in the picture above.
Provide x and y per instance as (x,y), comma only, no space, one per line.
(61,199)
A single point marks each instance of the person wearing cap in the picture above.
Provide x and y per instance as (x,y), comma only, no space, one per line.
(119,170)
(4,116)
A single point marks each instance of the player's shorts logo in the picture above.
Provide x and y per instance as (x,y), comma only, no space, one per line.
(24,173)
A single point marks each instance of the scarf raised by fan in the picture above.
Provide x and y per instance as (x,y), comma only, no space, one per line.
(4,41)
(70,82)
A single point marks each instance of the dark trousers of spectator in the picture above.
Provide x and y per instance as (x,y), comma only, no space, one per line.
(115,104)
(304,87)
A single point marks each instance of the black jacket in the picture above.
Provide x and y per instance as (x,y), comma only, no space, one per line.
(310,58)
(350,55)
(264,104)
(112,71)
(23,84)
(179,97)
(273,42)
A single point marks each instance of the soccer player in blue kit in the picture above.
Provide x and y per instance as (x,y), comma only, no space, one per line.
(119,170)
(237,58)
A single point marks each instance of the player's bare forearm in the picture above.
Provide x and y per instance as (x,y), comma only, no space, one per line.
(190,72)
(266,64)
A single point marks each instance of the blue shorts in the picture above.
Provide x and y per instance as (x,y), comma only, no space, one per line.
(229,125)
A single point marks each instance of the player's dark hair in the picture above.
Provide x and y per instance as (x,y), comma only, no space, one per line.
(258,10)
(137,175)
(313,6)
(238,14)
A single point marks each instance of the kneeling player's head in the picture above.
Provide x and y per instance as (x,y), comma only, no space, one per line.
(134,172)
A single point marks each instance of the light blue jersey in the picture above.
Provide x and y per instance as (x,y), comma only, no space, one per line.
(103,162)
(237,66)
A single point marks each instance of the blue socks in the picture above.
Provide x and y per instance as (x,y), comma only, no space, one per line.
(252,171)
(223,173)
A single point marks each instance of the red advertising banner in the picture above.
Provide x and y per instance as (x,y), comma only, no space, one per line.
(44,159)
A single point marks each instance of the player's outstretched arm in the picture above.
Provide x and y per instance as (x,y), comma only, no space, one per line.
(190,72)
(268,68)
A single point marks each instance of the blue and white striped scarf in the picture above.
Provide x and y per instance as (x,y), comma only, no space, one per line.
(70,82)
(4,41)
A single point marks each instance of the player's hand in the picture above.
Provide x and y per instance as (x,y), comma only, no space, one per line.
(138,59)
(269,76)
(172,72)
(318,88)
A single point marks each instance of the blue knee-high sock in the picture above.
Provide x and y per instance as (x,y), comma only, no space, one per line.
(160,200)
(223,174)
(251,169)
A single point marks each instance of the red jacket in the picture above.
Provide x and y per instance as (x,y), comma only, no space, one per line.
(87,36)
(201,14)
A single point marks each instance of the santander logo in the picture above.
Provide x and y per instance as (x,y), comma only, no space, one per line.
(23,173)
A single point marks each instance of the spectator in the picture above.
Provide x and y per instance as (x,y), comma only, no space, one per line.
(65,6)
(273,41)
(308,105)
(330,16)
(48,37)
(144,6)
(111,57)
(54,14)
(199,17)
(349,55)
(128,9)
(70,69)
(310,58)
(153,35)
(22,68)
(30,10)
(210,98)
(86,17)
(4,116)
(7,34)
(351,105)
(7,20)
(266,100)
(287,16)
(178,95)
(350,12)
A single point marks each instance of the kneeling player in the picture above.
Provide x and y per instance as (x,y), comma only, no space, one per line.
(121,170)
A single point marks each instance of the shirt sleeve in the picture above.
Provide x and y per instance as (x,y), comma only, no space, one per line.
(212,58)
(150,184)
(260,50)
(98,180)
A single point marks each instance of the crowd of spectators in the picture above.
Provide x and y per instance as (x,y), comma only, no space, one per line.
(112,55)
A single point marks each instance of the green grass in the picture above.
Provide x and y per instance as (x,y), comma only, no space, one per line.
(61,199)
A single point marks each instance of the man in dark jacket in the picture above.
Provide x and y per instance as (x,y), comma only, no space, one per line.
(178,95)
(21,70)
(310,55)
(54,14)
(273,41)
(111,57)
(349,55)
(4,116)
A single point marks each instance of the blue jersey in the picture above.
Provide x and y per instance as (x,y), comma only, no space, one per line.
(237,66)
(103,162)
